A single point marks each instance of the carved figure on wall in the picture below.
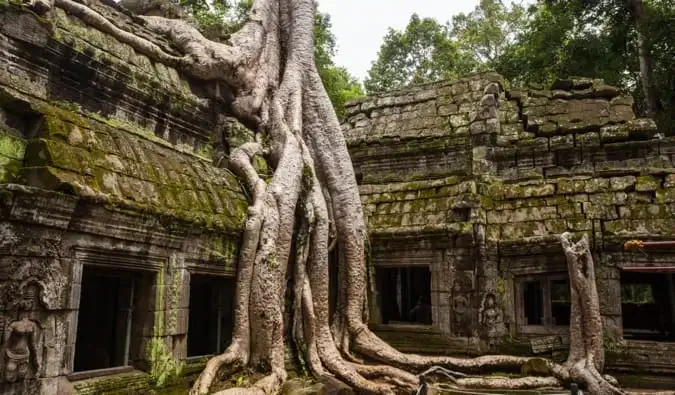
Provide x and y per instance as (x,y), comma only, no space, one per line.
(21,340)
(45,277)
(461,308)
(492,320)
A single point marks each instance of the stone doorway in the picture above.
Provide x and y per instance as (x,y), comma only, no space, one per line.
(105,318)
(405,295)
(648,304)
(211,315)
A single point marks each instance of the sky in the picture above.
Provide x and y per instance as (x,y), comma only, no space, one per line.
(360,25)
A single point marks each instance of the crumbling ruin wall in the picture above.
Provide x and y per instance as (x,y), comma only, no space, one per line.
(475,180)
(105,162)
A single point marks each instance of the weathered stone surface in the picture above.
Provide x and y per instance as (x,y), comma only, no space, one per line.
(106,162)
(573,158)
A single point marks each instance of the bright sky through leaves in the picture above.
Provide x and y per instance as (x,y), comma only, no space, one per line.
(360,25)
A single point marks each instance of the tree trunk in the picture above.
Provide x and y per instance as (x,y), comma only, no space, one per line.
(586,359)
(647,82)
(270,64)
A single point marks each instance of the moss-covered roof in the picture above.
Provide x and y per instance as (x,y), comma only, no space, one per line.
(119,165)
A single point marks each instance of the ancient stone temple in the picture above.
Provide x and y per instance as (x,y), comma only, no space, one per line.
(113,218)
(467,185)
(120,227)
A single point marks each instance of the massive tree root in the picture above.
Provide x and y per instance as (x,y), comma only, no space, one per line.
(270,67)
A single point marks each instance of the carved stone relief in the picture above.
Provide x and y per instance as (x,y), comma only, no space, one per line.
(31,289)
(491,320)
(23,337)
(17,273)
(461,307)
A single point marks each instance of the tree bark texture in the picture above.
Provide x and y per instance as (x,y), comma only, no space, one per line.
(311,198)
(647,82)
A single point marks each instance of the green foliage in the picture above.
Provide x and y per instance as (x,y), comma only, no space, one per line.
(421,53)
(339,84)
(637,294)
(483,35)
(549,40)
(597,38)
(217,19)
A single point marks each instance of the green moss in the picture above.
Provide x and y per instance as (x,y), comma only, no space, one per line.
(12,147)
(163,367)
(666,195)
(95,157)
(12,151)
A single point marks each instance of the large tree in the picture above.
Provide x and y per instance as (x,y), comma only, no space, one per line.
(484,34)
(423,52)
(311,201)
(427,50)
(628,43)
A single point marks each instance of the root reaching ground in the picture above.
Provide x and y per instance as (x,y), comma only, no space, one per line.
(312,205)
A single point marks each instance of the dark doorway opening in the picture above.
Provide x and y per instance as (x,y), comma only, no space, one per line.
(561,303)
(105,317)
(405,294)
(534,303)
(211,315)
(647,305)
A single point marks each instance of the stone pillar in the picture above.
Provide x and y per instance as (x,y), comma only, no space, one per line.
(608,279)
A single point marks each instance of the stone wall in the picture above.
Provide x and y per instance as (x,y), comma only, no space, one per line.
(105,162)
(476,180)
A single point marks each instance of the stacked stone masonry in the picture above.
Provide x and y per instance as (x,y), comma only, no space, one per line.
(474,181)
(107,186)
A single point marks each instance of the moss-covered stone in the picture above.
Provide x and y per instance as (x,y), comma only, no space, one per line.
(647,183)
(105,161)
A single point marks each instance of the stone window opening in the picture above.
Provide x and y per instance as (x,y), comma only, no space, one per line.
(404,295)
(647,305)
(211,318)
(544,303)
(108,317)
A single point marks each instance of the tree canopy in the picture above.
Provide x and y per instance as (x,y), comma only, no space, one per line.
(422,52)
(628,43)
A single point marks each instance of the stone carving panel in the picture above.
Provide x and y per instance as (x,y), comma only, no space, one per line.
(19,273)
(491,318)
(31,290)
(462,309)
(22,339)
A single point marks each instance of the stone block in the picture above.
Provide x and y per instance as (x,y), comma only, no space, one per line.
(640,228)
(647,183)
(591,139)
(669,181)
(645,211)
(609,293)
(570,210)
(621,113)
(613,133)
(459,120)
(624,183)
(522,214)
(573,185)
(622,101)
(515,191)
(515,231)
(608,198)
(579,225)
(178,321)
(600,211)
